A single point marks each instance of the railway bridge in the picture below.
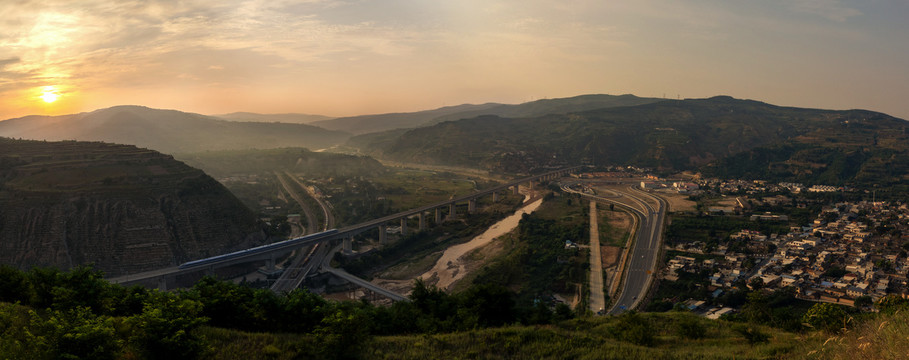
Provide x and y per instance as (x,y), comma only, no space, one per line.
(268,253)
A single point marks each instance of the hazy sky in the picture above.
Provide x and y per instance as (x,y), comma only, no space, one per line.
(353,57)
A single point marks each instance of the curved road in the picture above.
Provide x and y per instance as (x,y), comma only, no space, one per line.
(639,269)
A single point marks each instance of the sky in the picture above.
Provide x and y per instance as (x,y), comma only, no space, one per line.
(353,57)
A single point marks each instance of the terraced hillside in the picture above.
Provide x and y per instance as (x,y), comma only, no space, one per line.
(123,208)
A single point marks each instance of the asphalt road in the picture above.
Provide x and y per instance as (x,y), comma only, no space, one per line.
(641,264)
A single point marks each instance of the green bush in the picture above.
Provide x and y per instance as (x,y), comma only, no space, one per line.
(752,334)
(690,328)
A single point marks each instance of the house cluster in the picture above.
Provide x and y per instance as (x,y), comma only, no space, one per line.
(851,250)
(681,187)
(761,186)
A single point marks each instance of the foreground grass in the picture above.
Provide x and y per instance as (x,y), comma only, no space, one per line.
(881,337)
(592,338)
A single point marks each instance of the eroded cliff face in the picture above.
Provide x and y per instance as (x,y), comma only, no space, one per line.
(125,209)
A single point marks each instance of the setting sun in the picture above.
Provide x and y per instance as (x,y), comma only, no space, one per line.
(50,94)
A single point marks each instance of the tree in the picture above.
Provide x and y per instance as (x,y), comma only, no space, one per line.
(756,309)
(690,328)
(891,303)
(166,328)
(863,301)
(827,317)
(633,328)
(76,334)
(493,305)
(13,285)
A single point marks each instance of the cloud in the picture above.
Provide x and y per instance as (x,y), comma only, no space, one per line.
(830,9)
(5,62)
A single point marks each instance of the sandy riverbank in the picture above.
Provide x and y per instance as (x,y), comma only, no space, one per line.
(451,267)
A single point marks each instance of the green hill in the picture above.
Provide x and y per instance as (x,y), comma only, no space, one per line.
(298,160)
(552,106)
(366,124)
(711,134)
(123,208)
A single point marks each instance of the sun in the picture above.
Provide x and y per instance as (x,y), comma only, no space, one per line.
(50,94)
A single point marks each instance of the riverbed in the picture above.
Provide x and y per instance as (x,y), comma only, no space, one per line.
(451,267)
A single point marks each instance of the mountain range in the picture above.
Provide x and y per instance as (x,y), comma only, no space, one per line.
(383,122)
(168,131)
(284,118)
(721,136)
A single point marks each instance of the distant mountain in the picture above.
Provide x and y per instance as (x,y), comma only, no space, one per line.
(720,135)
(168,131)
(358,125)
(552,106)
(374,123)
(284,118)
(125,209)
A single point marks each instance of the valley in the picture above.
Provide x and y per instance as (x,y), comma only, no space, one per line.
(426,228)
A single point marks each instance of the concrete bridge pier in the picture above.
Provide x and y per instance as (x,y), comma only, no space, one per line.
(422,221)
(438,215)
(162,283)
(404,226)
(270,263)
(471,206)
(452,211)
(495,196)
(514,190)
(347,248)
(383,234)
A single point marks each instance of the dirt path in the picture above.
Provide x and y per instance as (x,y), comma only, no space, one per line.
(450,267)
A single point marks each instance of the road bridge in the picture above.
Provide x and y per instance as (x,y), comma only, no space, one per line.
(270,252)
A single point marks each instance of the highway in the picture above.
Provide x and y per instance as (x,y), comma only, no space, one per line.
(305,260)
(326,266)
(642,260)
(642,263)
(311,223)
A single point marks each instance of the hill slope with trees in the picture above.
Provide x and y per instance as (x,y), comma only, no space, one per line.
(722,135)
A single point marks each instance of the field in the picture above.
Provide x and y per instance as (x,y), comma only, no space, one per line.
(407,189)
(614,227)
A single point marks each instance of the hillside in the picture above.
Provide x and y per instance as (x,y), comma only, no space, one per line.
(552,106)
(168,131)
(366,124)
(284,118)
(297,160)
(123,208)
(669,135)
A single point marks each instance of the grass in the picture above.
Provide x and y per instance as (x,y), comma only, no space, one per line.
(413,188)
(609,234)
(588,338)
(411,268)
(881,337)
